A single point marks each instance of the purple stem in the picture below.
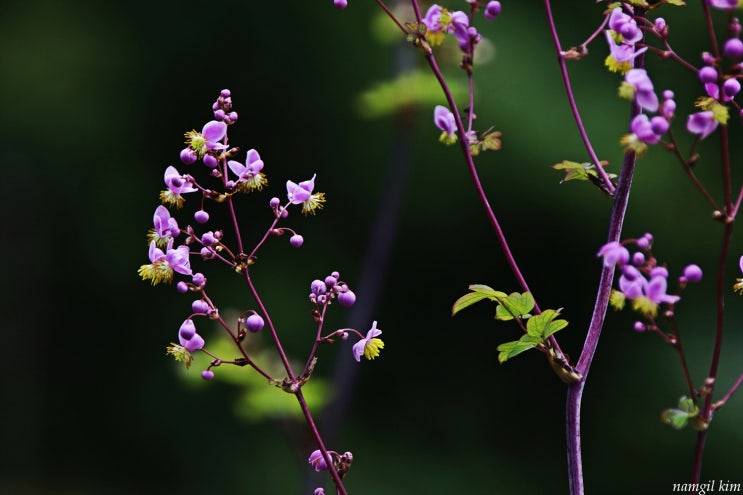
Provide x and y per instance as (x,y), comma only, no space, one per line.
(619,208)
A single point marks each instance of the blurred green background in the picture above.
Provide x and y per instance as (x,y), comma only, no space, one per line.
(95,97)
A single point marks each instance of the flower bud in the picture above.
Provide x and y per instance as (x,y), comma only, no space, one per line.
(210,161)
(207,374)
(340,4)
(201,216)
(707,74)
(733,48)
(296,240)
(181,287)
(492,10)
(693,273)
(254,323)
(198,279)
(188,156)
(346,299)
(200,306)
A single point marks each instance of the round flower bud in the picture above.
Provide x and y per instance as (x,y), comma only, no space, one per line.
(733,48)
(330,281)
(210,161)
(731,87)
(219,114)
(318,287)
(638,258)
(296,240)
(201,216)
(346,299)
(200,306)
(693,273)
(707,74)
(335,274)
(340,4)
(188,156)
(274,203)
(198,279)
(208,239)
(639,326)
(659,125)
(225,93)
(181,287)
(207,374)
(492,10)
(206,253)
(232,116)
(254,323)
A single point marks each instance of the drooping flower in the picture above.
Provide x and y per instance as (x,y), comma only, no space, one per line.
(621,55)
(439,21)
(177,186)
(614,253)
(187,336)
(302,193)
(637,85)
(702,123)
(444,120)
(370,345)
(164,228)
(317,461)
(249,176)
(163,264)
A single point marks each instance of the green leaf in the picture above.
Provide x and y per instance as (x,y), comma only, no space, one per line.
(545,324)
(479,292)
(511,349)
(514,306)
(679,417)
(675,418)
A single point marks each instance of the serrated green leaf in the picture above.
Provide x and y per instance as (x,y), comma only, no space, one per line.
(573,170)
(545,324)
(479,292)
(675,418)
(688,405)
(516,305)
(511,349)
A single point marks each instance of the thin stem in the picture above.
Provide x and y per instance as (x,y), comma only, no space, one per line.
(464,146)
(318,438)
(571,99)
(730,392)
(619,208)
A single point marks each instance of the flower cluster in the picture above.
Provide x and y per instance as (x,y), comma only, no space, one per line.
(720,83)
(623,35)
(642,280)
(234,176)
(645,130)
(323,292)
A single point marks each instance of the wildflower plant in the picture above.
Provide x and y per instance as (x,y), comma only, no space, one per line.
(639,41)
(181,250)
(635,42)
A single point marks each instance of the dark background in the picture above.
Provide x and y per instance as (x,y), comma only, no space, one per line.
(95,98)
